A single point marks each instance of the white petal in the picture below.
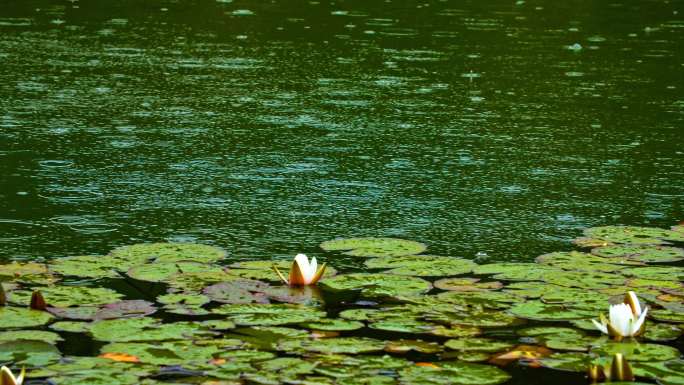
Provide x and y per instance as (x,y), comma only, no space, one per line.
(620,319)
(305,267)
(635,301)
(8,373)
(602,327)
(637,325)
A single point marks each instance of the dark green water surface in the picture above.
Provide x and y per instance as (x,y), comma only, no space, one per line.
(266,127)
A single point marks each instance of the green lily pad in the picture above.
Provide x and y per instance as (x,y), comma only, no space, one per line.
(663,315)
(665,372)
(19,317)
(641,253)
(574,260)
(513,271)
(119,309)
(635,351)
(90,266)
(577,344)
(266,337)
(422,265)
(169,253)
(17,269)
(263,270)
(269,314)
(585,279)
(663,273)
(197,280)
(467,284)
(478,345)
(165,353)
(453,372)
(405,346)
(545,332)
(660,332)
(588,243)
(403,325)
(570,361)
(238,291)
(633,234)
(539,311)
(28,352)
(345,345)
(64,296)
(377,285)
(184,303)
(161,272)
(330,324)
(144,329)
(34,335)
(71,326)
(374,247)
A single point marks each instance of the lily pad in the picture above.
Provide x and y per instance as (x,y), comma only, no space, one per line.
(665,372)
(238,291)
(184,303)
(30,335)
(422,265)
(17,269)
(405,346)
(467,284)
(453,372)
(633,234)
(263,270)
(346,345)
(634,351)
(90,266)
(574,260)
(331,324)
(514,271)
(374,247)
(665,315)
(169,253)
(269,314)
(28,352)
(165,353)
(144,329)
(161,272)
(487,345)
(539,311)
(377,285)
(641,253)
(19,317)
(64,296)
(71,326)
(661,332)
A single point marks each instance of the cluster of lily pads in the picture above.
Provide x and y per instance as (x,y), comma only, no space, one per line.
(185,313)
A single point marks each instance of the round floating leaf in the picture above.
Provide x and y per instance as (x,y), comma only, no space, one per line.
(540,311)
(573,260)
(641,253)
(238,291)
(377,285)
(517,271)
(635,351)
(374,247)
(585,279)
(17,269)
(263,270)
(184,303)
(664,273)
(664,315)
(329,324)
(574,362)
(477,318)
(144,329)
(467,284)
(405,346)
(422,265)
(586,242)
(269,314)
(661,332)
(545,332)
(19,317)
(666,373)
(28,352)
(90,266)
(125,309)
(456,373)
(403,325)
(64,296)
(478,345)
(70,326)
(346,345)
(165,353)
(169,253)
(196,281)
(35,335)
(161,272)
(633,234)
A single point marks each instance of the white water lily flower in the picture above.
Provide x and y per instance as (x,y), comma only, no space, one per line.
(625,319)
(302,272)
(7,378)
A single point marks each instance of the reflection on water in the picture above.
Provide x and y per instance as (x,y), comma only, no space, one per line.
(497,127)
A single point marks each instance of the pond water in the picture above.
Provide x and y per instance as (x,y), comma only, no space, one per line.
(492,127)
(493,131)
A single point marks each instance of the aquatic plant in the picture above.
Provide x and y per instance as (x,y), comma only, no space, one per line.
(302,272)
(625,319)
(7,378)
